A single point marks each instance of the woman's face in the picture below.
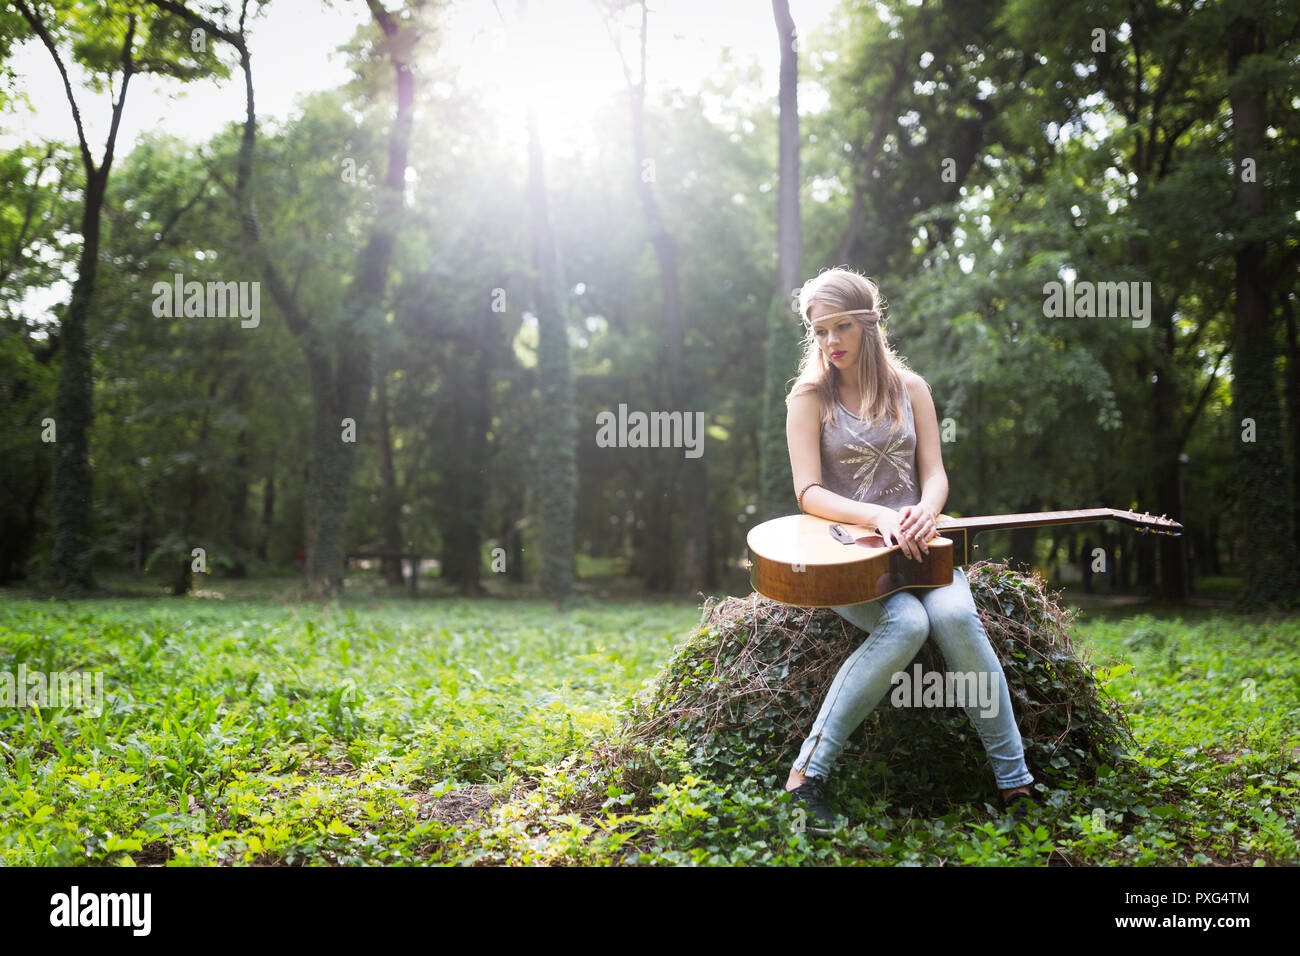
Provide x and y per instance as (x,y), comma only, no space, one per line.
(839,338)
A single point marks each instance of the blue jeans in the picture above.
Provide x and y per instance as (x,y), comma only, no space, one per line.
(897,626)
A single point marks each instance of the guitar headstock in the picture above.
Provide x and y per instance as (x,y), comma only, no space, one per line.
(1148,523)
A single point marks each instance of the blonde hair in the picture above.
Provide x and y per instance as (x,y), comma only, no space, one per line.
(880,368)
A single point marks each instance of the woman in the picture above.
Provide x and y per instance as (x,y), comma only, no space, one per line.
(864,450)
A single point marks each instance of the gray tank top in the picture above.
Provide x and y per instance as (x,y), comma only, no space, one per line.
(869,464)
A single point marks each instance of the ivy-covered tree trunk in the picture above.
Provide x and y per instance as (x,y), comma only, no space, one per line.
(557,467)
(689,513)
(1264,483)
(183,566)
(74,398)
(1165,445)
(237,531)
(512,539)
(336,400)
(390,507)
(653,544)
(468,419)
(74,407)
(268,512)
(104,39)
(339,357)
(478,423)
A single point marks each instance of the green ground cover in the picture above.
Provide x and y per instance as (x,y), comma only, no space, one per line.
(448,731)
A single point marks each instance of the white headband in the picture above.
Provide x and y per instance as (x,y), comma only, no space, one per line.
(835,315)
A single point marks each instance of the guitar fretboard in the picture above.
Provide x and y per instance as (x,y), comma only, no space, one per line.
(1034,519)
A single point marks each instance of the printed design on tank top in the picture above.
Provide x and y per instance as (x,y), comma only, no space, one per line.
(889,453)
(894,454)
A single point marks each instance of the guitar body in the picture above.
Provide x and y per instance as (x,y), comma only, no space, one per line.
(812,562)
(795,560)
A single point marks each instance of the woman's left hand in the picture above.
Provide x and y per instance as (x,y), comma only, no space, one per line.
(919,523)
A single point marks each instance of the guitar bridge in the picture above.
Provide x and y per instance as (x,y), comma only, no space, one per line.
(840,535)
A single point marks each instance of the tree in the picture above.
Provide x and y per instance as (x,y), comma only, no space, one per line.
(781,355)
(125,38)
(338,349)
(688,478)
(1262,472)
(556,451)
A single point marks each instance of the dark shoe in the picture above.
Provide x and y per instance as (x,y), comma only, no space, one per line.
(1019,805)
(811,795)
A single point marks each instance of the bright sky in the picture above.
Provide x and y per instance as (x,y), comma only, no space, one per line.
(571,67)
(293,52)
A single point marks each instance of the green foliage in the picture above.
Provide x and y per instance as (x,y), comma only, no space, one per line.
(255,733)
(743,690)
(249,733)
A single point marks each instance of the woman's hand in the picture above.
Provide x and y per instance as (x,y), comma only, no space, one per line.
(919,523)
(888,525)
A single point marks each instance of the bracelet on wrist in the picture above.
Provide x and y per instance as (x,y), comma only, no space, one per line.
(804,490)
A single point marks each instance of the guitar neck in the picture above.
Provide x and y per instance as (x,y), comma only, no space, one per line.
(973,526)
(963,530)
(1027,520)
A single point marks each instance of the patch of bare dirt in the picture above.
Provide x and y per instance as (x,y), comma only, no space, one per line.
(467,805)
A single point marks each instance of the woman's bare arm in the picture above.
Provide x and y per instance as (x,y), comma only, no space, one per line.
(803,436)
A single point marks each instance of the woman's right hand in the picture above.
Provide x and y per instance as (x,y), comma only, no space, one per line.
(887,525)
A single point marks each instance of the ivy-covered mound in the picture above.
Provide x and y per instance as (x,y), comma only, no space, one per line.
(741,693)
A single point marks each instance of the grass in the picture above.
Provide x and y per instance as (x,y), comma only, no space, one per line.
(256,731)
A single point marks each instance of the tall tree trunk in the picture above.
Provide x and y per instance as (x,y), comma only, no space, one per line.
(461,511)
(690,475)
(268,512)
(238,492)
(653,544)
(1022,546)
(362,307)
(512,539)
(1215,566)
(338,399)
(1120,562)
(389,506)
(1262,472)
(485,334)
(74,408)
(339,365)
(1146,558)
(137,562)
(1172,582)
(557,428)
(183,578)
(782,343)
(74,399)
(781,348)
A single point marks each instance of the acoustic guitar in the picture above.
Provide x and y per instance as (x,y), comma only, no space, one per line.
(809,561)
